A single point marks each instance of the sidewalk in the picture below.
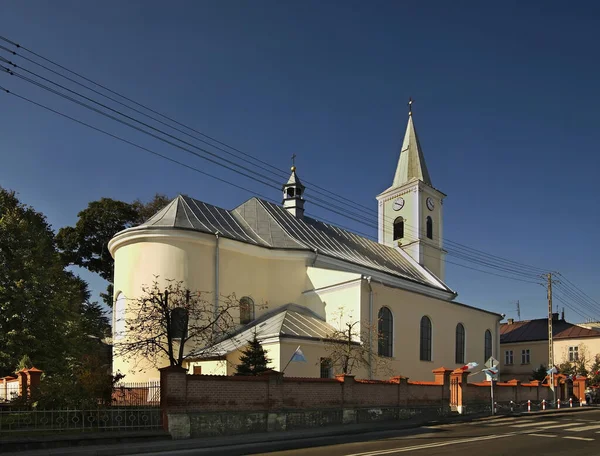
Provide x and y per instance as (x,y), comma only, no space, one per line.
(132,447)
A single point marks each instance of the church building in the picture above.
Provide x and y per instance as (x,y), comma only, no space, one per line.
(299,280)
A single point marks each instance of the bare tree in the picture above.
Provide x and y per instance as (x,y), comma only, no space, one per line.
(351,348)
(163,320)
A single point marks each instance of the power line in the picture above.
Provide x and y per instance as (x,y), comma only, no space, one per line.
(203,172)
(496,258)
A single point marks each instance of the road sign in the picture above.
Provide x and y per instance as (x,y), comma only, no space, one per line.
(491,373)
(492,362)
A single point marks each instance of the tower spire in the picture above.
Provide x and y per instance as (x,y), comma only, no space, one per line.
(411,164)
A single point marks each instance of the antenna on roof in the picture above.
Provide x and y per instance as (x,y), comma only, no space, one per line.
(519,310)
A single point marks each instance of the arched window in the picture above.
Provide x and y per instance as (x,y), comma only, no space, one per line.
(425,339)
(488,345)
(429,227)
(246,310)
(385,329)
(398,228)
(460,344)
(119,312)
(179,323)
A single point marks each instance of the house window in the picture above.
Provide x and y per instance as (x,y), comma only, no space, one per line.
(525,356)
(119,323)
(573,354)
(429,227)
(398,228)
(326,368)
(425,339)
(246,310)
(508,357)
(487,350)
(460,344)
(385,330)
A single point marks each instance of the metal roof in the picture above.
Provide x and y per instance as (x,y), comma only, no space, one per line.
(411,164)
(291,320)
(534,330)
(269,225)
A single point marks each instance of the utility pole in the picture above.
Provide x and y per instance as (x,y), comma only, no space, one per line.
(550,341)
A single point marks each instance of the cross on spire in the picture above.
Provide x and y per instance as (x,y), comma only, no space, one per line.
(410,102)
(293,162)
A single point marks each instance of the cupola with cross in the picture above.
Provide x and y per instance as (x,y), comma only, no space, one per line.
(293,201)
(410,211)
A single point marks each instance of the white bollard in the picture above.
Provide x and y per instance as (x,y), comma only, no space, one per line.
(580,402)
(495,408)
(544,404)
(529,405)
(570,402)
(511,406)
(558,402)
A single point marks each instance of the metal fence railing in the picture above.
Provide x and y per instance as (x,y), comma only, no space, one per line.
(145,394)
(13,420)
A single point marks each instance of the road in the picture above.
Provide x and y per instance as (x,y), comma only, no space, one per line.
(564,434)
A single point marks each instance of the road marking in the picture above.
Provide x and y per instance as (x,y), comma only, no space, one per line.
(431,445)
(555,426)
(509,421)
(533,424)
(585,428)
(543,435)
(587,439)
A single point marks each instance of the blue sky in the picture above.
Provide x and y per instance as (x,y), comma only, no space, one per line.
(506,109)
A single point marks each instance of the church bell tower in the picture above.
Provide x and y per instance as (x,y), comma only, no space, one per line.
(410,211)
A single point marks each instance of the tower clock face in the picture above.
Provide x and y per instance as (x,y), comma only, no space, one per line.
(430,204)
(398,204)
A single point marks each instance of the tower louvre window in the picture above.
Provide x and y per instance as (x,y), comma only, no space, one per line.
(429,227)
(398,228)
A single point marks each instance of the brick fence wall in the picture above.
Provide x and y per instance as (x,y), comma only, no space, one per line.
(198,405)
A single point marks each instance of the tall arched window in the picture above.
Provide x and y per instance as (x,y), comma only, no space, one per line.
(488,345)
(429,227)
(398,228)
(246,310)
(425,339)
(460,344)
(119,316)
(385,329)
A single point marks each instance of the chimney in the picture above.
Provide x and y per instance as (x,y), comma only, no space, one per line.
(511,321)
(555,316)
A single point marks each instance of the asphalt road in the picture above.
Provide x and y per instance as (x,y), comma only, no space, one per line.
(577,433)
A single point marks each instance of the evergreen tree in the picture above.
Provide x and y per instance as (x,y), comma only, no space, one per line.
(253,360)
(539,373)
(594,374)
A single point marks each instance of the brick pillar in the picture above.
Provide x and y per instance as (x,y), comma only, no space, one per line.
(403,387)
(441,376)
(4,388)
(22,376)
(458,381)
(33,381)
(173,400)
(349,412)
(275,421)
(579,388)
(516,386)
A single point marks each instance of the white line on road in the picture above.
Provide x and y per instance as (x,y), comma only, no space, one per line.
(585,428)
(587,439)
(506,422)
(431,445)
(555,426)
(532,424)
(543,435)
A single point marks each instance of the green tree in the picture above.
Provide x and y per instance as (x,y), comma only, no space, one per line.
(594,374)
(86,243)
(539,373)
(254,359)
(44,309)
